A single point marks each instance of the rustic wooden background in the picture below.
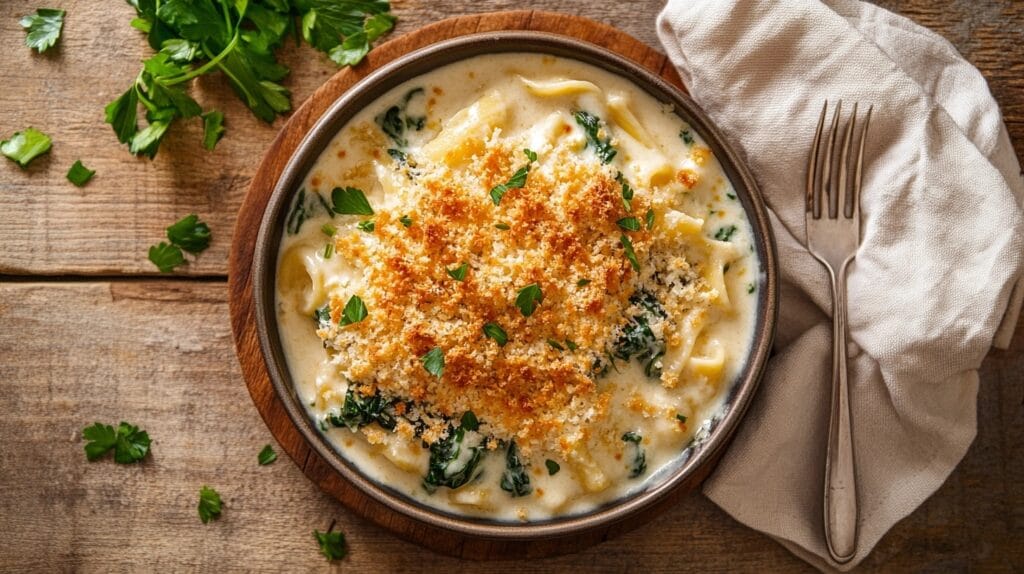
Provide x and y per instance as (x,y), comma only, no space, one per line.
(89,332)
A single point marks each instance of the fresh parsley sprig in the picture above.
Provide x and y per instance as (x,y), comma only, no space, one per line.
(210,504)
(187,234)
(43,28)
(128,442)
(332,544)
(25,146)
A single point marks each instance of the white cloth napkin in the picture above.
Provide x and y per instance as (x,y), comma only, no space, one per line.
(939,268)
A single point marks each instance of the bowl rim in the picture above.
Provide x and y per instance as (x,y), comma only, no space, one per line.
(438,55)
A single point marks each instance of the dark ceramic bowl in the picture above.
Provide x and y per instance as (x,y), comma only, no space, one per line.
(694,464)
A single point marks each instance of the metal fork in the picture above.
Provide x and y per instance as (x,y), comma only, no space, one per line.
(833,238)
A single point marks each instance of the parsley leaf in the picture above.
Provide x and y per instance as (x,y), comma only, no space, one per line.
(571,345)
(630,254)
(213,128)
(751,288)
(469,421)
(583,282)
(366,226)
(405,220)
(627,192)
(553,467)
(517,180)
(628,224)
(502,226)
(332,544)
(267,455)
(494,331)
(350,201)
(433,362)
(128,442)
(79,174)
(681,418)
(43,28)
(25,146)
(686,136)
(591,125)
(189,234)
(354,312)
(166,257)
(649,218)
(459,273)
(529,298)
(725,233)
(555,345)
(210,504)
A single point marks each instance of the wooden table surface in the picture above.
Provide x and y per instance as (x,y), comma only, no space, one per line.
(89,332)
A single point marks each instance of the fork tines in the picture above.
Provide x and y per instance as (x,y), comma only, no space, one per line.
(822,178)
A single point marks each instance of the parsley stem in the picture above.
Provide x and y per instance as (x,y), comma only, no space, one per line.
(214,62)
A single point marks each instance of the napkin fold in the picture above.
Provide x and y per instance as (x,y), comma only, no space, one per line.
(939,276)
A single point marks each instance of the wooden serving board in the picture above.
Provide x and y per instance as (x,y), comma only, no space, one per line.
(243,318)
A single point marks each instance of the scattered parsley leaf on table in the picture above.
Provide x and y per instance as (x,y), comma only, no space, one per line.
(189,234)
(239,38)
(43,28)
(25,146)
(166,257)
(209,504)
(128,442)
(79,174)
(332,544)
(267,455)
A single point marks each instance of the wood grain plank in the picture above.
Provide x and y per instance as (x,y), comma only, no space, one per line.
(159,354)
(51,227)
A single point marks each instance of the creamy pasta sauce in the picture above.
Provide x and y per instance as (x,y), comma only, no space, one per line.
(515,287)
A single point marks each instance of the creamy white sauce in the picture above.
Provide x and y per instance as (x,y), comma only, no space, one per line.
(711,199)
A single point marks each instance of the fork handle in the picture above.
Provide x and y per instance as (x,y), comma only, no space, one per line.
(840,480)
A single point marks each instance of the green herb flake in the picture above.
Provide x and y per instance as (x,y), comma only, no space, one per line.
(166,257)
(751,287)
(649,219)
(515,480)
(79,174)
(405,220)
(42,28)
(591,125)
(328,251)
(25,146)
(571,345)
(354,312)
(128,442)
(210,504)
(494,331)
(213,128)
(686,136)
(628,224)
(459,273)
(583,282)
(627,245)
(731,195)
(555,345)
(469,421)
(332,544)
(350,201)
(627,192)
(530,155)
(267,455)
(553,467)
(681,418)
(433,362)
(639,465)
(366,225)
(328,229)
(528,298)
(502,226)
(725,233)
(189,234)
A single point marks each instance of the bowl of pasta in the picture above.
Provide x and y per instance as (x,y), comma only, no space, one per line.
(515,286)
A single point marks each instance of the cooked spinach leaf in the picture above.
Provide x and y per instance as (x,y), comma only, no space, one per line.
(359,410)
(636,339)
(396,121)
(306,207)
(453,462)
(591,125)
(515,479)
(639,465)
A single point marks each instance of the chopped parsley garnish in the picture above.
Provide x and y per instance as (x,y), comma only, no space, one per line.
(190,234)
(366,225)
(629,224)
(405,220)
(25,146)
(681,418)
(469,421)
(79,174)
(731,195)
(555,345)
(42,28)
(517,180)
(354,312)
(515,480)
(639,456)
(627,245)
(725,233)
(494,331)
(166,257)
(502,226)
(750,288)
(649,218)
(213,128)
(553,467)
(210,504)
(571,345)
(583,282)
(686,136)
(332,544)
(239,38)
(433,362)
(128,442)
(328,229)
(350,201)
(529,298)
(627,192)
(267,455)
(459,273)
(591,125)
